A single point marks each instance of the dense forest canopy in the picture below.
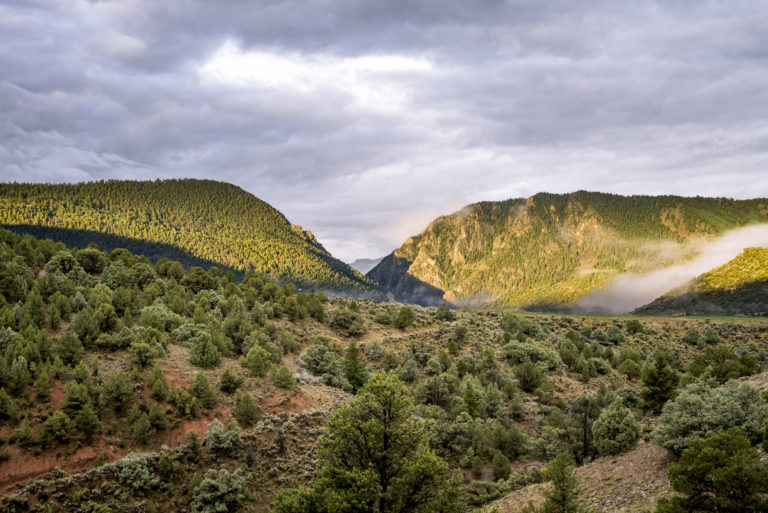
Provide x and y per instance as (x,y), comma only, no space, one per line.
(212,221)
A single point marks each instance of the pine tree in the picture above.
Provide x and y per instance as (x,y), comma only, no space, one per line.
(202,390)
(660,382)
(354,369)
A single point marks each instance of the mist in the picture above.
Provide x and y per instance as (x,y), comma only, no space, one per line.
(632,290)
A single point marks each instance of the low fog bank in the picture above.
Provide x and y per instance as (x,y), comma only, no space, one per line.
(630,291)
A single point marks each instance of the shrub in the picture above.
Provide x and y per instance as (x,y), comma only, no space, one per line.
(630,368)
(228,441)
(134,472)
(445,314)
(230,381)
(701,411)
(324,361)
(500,466)
(55,428)
(521,352)
(660,382)
(246,411)
(202,390)
(616,430)
(282,377)
(347,322)
(529,376)
(256,361)
(404,317)
(219,491)
(374,350)
(142,430)
(142,353)
(119,391)
(204,352)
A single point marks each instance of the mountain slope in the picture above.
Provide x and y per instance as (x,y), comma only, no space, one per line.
(550,249)
(363,265)
(739,286)
(213,221)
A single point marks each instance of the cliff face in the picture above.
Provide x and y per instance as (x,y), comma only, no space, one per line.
(548,250)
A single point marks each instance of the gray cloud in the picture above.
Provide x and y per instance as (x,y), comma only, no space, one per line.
(363,120)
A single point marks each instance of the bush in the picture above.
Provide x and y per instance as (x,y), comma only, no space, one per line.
(529,376)
(324,361)
(630,368)
(701,411)
(521,352)
(119,391)
(500,466)
(445,314)
(374,350)
(204,352)
(404,317)
(246,412)
(282,377)
(228,441)
(230,381)
(202,390)
(56,428)
(347,322)
(134,472)
(616,430)
(256,361)
(219,491)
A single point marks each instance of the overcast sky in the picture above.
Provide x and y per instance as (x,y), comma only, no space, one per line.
(362,119)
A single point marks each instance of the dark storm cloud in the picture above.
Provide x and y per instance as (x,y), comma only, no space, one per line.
(364,120)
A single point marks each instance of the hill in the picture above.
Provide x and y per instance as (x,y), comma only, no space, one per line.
(550,249)
(117,379)
(196,222)
(738,287)
(363,265)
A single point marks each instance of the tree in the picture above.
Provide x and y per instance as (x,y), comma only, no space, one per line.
(563,495)
(204,352)
(202,390)
(615,430)
(69,348)
(660,382)
(374,457)
(141,353)
(703,409)
(721,473)
(282,377)
(354,369)
(405,317)
(246,411)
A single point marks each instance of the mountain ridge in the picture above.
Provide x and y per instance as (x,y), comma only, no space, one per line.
(548,250)
(210,220)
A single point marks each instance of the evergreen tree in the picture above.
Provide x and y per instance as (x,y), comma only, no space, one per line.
(374,457)
(202,390)
(616,430)
(660,382)
(721,473)
(354,369)
(246,411)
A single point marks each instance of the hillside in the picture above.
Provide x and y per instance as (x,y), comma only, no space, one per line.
(548,250)
(136,387)
(739,286)
(197,222)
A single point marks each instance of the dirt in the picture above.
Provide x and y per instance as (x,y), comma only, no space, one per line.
(629,482)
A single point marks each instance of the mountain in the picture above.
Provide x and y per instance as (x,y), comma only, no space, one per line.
(192,221)
(548,250)
(363,265)
(738,287)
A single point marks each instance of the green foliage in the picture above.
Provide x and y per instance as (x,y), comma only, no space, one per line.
(702,410)
(374,457)
(218,439)
(405,317)
(348,322)
(204,352)
(230,381)
(720,473)
(660,381)
(616,430)
(246,412)
(323,360)
(119,391)
(56,428)
(202,390)
(529,376)
(445,314)
(134,472)
(354,370)
(282,377)
(257,361)
(69,348)
(220,491)
(142,430)
(563,495)
(198,222)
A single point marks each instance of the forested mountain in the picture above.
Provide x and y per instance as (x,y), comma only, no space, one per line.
(197,222)
(739,286)
(550,249)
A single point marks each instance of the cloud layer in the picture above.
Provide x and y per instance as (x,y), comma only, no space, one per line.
(363,120)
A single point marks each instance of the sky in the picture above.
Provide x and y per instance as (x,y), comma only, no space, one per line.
(363,120)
